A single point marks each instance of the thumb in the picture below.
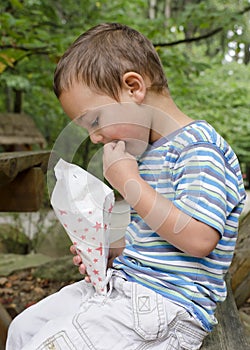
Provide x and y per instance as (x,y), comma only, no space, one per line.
(109,146)
(120,146)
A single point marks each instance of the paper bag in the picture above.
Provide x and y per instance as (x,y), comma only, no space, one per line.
(83,204)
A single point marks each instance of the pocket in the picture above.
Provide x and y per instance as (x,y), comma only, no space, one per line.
(188,337)
(59,341)
(149,315)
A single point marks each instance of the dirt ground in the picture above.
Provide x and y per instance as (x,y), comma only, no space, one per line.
(22,289)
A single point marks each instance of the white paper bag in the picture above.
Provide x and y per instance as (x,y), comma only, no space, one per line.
(83,204)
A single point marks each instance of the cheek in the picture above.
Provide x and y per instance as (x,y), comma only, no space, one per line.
(117,132)
(135,137)
(111,132)
(127,132)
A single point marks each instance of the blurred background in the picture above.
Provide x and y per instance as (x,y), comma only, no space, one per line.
(205,50)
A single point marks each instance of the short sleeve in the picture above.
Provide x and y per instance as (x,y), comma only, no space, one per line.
(200,184)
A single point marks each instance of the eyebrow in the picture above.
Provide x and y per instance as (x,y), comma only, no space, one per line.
(82,115)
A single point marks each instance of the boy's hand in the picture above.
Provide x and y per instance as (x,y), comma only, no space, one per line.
(116,248)
(119,166)
(77,261)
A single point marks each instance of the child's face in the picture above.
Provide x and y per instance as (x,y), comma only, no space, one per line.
(106,120)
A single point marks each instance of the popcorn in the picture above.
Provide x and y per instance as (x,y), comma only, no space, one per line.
(83,204)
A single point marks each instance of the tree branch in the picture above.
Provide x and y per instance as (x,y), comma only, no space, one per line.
(201,37)
(35,50)
(244,10)
(188,40)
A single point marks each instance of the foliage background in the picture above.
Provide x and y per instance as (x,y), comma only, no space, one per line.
(204,46)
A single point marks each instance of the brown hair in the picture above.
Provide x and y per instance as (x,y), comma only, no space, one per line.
(101,56)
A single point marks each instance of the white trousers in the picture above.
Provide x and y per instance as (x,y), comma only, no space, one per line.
(130,317)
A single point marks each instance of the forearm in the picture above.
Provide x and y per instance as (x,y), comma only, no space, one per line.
(116,249)
(184,232)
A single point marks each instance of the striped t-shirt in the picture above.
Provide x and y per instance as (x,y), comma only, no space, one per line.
(197,170)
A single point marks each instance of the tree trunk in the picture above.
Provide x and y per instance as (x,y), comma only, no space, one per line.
(247,54)
(167,11)
(18,101)
(8,99)
(152,9)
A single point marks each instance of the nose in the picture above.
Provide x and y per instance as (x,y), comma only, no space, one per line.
(96,137)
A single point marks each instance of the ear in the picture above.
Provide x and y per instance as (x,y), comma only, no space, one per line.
(135,85)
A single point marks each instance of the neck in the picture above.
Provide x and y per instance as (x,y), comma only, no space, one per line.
(167,117)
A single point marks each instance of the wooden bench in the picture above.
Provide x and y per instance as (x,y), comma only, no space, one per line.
(229,333)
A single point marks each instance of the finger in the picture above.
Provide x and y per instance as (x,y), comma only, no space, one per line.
(77,260)
(120,146)
(73,249)
(82,270)
(109,146)
(87,279)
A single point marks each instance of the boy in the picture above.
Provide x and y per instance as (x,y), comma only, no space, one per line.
(184,184)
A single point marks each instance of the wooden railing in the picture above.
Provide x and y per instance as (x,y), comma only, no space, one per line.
(22,180)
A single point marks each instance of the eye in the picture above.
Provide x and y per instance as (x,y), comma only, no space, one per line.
(80,121)
(95,123)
